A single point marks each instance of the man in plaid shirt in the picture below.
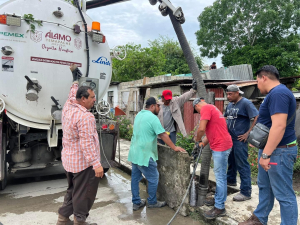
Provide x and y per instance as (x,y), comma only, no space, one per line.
(80,154)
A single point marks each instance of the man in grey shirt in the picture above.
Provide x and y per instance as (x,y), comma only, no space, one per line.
(170,114)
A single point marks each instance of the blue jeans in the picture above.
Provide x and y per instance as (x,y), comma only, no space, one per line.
(152,176)
(237,161)
(172,137)
(220,169)
(278,183)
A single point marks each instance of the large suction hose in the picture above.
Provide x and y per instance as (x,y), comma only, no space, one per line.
(206,157)
(204,173)
(189,56)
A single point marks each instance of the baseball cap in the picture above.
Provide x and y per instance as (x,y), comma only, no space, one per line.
(234,88)
(269,68)
(151,101)
(167,94)
(196,101)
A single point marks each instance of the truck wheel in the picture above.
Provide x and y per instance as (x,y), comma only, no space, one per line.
(3,183)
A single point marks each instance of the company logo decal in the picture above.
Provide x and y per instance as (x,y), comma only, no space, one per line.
(102,60)
(58,36)
(58,39)
(37,36)
(8,34)
(77,43)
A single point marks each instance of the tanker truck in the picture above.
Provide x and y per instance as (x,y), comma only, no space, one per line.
(39,40)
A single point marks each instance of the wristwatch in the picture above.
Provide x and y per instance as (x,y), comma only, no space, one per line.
(265,156)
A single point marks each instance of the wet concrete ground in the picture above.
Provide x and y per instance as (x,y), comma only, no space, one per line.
(31,202)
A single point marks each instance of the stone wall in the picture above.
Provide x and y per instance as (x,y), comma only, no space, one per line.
(174,177)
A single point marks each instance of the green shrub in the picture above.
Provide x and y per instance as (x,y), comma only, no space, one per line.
(297,163)
(186,143)
(125,126)
(253,160)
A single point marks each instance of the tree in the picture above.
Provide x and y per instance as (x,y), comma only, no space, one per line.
(163,56)
(230,27)
(285,55)
(139,62)
(175,60)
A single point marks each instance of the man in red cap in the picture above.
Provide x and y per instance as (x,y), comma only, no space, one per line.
(170,113)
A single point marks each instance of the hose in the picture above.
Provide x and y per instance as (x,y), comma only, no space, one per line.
(189,56)
(86,39)
(204,173)
(187,190)
(201,90)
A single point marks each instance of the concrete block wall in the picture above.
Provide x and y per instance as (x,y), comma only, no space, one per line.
(174,177)
(126,86)
(155,92)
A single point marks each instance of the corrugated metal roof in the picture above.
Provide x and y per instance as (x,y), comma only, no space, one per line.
(243,83)
(296,95)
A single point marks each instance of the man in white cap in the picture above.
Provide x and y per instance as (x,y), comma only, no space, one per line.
(239,112)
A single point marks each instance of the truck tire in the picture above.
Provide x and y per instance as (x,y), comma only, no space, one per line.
(3,183)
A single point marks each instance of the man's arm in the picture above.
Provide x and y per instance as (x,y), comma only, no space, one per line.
(185,97)
(244,136)
(165,137)
(72,93)
(86,128)
(76,76)
(275,136)
(201,130)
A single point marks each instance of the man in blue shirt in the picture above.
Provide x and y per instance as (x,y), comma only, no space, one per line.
(238,114)
(278,107)
(143,153)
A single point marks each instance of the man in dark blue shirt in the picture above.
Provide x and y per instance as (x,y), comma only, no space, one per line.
(278,113)
(238,114)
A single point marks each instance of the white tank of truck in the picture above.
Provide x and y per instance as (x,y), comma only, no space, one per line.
(39,40)
(44,56)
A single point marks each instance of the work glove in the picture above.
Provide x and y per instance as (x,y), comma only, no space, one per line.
(75,72)
(197,147)
(194,85)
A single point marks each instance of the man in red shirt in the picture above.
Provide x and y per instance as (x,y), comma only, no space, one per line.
(213,124)
(80,154)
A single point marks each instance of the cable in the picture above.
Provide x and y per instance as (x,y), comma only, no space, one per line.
(187,191)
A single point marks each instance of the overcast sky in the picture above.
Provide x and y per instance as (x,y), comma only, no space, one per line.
(138,21)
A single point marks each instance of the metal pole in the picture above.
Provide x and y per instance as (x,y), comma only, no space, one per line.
(119,146)
(83,2)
